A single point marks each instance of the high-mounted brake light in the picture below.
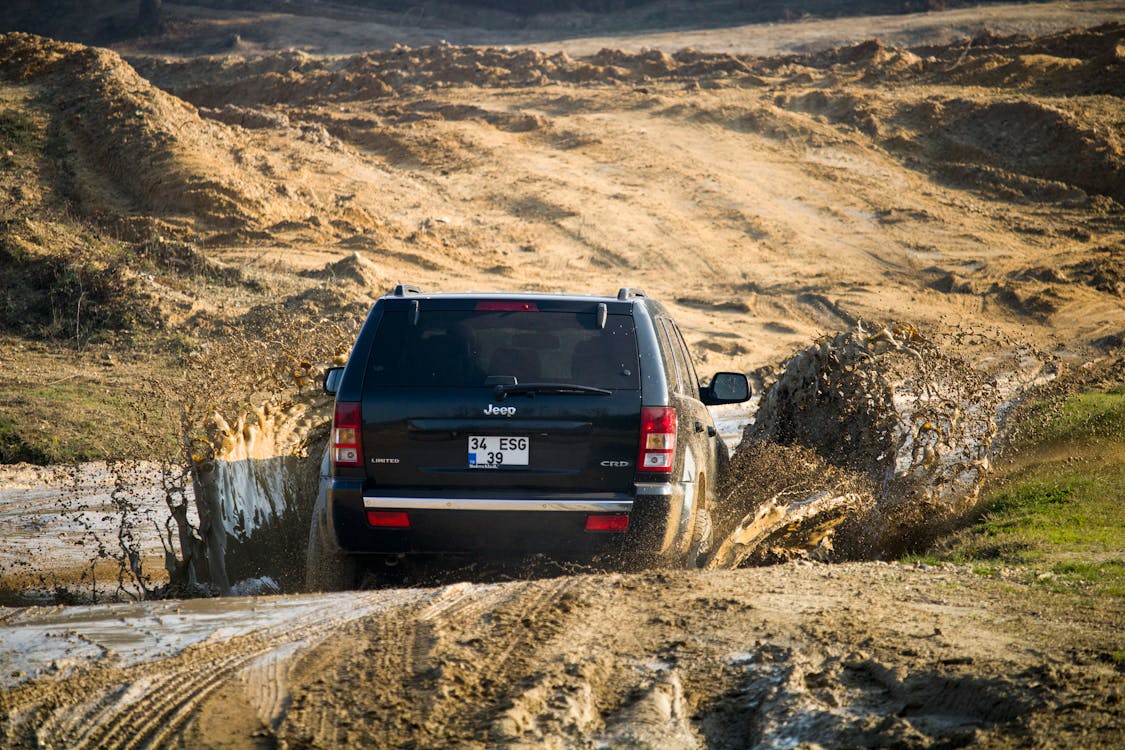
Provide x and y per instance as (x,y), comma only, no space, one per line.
(346,450)
(502,306)
(658,439)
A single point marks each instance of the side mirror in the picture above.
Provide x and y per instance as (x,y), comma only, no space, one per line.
(726,388)
(332,378)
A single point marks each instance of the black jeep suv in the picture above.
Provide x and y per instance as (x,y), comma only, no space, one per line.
(507,425)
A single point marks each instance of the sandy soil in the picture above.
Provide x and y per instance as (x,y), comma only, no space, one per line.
(973,190)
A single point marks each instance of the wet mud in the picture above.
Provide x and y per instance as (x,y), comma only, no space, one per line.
(863,655)
(864,444)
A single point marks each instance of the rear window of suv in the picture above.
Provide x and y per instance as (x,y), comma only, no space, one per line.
(463,348)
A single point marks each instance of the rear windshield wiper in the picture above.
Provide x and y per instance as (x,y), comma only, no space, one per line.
(502,391)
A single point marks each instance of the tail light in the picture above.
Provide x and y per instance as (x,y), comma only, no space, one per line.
(658,439)
(346,450)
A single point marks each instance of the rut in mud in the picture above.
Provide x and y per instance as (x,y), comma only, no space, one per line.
(541,664)
(834,655)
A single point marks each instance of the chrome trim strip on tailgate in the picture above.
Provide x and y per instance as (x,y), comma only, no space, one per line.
(448,503)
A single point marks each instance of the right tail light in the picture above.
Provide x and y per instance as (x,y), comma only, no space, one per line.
(658,440)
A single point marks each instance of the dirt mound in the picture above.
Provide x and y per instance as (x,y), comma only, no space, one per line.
(246,117)
(292,87)
(293,78)
(1075,62)
(1079,61)
(871,59)
(130,146)
(1019,145)
(1018,149)
(355,270)
(154,150)
(1032,139)
(62,281)
(60,284)
(1104,272)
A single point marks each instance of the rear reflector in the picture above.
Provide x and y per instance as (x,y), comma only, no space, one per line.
(658,439)
(392,519)
(607,523)
(502,306)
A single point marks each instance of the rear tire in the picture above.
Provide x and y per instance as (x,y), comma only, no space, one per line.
(701,527)
(327,567)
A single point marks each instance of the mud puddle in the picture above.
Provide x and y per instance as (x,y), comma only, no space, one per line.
(86,531)
(58,641)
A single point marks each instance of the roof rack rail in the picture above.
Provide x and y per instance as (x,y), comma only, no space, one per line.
(626,292)
(401,290)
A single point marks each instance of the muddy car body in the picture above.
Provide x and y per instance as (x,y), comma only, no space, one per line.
(507,425)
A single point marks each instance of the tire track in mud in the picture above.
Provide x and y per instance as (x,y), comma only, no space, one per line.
(391,645)
(434,672)
(149,704)
(265,682)
(799,653)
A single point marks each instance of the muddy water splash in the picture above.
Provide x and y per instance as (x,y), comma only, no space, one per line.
(252,415)
(867,441)
(254,485)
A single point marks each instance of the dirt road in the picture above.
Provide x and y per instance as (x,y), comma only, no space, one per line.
(863,655)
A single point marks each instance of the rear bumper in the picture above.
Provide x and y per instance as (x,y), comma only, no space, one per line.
(568,505)
(502,525)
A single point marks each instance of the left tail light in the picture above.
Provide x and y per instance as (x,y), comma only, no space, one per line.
(658,440)
(346,450)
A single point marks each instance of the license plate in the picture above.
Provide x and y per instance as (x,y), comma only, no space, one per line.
(493,452)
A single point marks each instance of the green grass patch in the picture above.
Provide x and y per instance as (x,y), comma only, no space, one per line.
(1056,505)
(1108,576)
(14,448)
(1082,419)
(18,131)
(85,411)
